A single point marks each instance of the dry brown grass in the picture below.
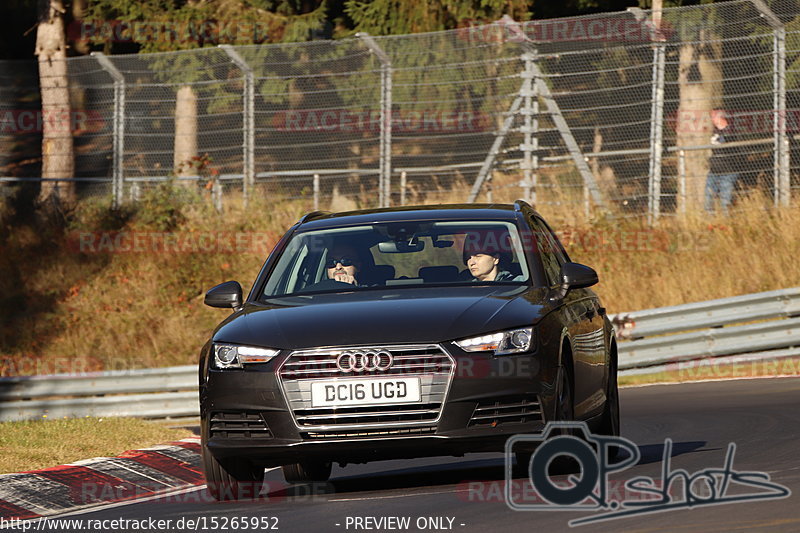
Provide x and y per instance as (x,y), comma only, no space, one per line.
(65,311)
(39,444)
(709,369)
(693,259)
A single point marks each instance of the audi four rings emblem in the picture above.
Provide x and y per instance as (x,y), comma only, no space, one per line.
(362,361)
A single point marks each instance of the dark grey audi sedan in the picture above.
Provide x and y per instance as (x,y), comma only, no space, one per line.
(401,333)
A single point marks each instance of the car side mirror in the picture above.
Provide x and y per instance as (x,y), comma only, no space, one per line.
(573,276)
(577,276)
(225,295)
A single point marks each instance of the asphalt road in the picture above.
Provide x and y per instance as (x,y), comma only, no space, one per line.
(762,417)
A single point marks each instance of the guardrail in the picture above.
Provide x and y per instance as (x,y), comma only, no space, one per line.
(152,393)
(750,324)
(764,325)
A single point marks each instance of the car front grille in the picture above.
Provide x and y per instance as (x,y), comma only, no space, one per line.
(239,425)
(516,409)
(430,363)
(371,433)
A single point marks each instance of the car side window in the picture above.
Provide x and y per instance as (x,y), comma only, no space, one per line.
(557,247)
(545,248)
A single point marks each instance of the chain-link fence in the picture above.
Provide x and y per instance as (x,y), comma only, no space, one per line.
(20,136)
(612,112)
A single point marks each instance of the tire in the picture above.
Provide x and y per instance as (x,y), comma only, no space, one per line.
(237,480)
(565,409)
(609,421)
(523,462)
(307,472)
(564,412)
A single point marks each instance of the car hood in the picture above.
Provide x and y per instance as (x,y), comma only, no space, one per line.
(382,316)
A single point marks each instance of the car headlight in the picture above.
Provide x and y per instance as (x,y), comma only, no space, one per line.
(501,343)
(233,356)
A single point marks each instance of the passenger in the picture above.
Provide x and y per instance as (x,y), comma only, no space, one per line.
(484,265)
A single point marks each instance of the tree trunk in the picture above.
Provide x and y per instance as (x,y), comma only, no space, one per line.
(58,159)
(185,131)
(700,83)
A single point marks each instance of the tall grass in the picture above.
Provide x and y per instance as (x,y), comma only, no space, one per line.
(67,310)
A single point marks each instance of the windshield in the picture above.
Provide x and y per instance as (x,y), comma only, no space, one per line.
(397,255)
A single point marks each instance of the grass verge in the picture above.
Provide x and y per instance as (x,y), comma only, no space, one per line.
(32,445)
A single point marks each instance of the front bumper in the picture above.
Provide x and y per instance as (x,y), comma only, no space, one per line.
(472,404)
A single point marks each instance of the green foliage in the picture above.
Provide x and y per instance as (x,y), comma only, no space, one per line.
(162,207)
(100,215)
(393,17)
(171,25)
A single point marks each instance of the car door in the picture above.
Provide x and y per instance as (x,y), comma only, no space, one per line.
(581,309)
(567,308)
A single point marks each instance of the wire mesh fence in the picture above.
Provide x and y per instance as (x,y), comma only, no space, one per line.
(633,113)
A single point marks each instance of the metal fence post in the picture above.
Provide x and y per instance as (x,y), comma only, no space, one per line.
(587,211)
(248,119)
(782,179)
(385,171)
(403,188)
(118,135)
(682,181)
(781,141)
(534,86)
(316,192)
(386,128)
(500,137)
(656,133)
(216,194)
(530,143)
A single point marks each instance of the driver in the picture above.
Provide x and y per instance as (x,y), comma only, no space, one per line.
(343,264)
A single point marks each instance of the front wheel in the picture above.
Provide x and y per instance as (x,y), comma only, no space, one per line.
(307,472)
(564,412)
(609,421)
(235,479)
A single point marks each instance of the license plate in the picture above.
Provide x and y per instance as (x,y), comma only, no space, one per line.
(373,391)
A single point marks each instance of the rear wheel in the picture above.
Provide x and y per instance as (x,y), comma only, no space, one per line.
(307,472)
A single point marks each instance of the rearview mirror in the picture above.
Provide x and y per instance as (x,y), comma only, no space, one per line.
(225,295)
(401,247)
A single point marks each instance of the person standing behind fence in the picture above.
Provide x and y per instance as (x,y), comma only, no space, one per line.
(723,171)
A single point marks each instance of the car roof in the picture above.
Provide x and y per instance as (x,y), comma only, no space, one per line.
(321,220)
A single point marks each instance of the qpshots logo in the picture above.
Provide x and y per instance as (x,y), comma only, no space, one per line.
(590,491)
